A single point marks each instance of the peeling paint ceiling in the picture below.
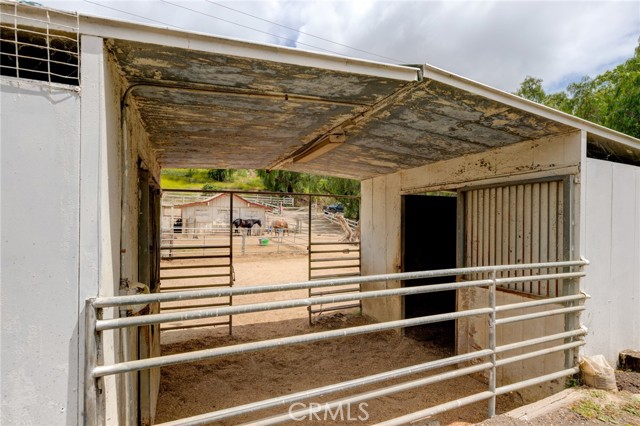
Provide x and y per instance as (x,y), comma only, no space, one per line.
(220,111)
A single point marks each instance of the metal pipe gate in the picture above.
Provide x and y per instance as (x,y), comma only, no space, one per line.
(485,360)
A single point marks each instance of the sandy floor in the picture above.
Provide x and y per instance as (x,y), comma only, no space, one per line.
(194,389)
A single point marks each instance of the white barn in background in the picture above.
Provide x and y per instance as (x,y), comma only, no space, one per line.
(85,131)
(207,215)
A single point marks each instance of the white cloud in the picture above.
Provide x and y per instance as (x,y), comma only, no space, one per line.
(496,43)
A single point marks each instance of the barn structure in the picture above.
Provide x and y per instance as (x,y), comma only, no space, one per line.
(115,102)
(206,215)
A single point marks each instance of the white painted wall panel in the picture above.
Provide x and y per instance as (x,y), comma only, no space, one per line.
(40,140)
(612,221)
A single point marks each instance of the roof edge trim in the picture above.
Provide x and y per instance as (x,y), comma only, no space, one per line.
(155,34)
(438,74)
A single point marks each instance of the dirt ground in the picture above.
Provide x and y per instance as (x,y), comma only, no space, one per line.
(198,388)
(212,385)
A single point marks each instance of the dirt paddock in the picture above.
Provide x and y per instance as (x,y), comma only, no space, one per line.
(192,389)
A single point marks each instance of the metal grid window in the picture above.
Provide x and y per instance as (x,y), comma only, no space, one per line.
(39,44)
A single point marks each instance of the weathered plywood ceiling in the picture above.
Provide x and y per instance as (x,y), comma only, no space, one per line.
(222,111)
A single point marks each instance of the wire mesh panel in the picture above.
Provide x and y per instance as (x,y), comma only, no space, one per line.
(39,44)
(513,224)
(334,249)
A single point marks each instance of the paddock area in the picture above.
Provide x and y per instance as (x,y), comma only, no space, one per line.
(192,389)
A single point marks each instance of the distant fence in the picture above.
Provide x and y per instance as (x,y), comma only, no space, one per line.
(331,217)
(270,200)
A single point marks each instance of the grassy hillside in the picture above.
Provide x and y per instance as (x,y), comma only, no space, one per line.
(196,178)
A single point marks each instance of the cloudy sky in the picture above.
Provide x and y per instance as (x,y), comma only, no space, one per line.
(497,43)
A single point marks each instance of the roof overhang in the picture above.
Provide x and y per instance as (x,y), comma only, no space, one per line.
(206,109)
(214,102)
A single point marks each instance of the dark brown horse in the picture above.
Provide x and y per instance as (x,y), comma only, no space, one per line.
(246,223)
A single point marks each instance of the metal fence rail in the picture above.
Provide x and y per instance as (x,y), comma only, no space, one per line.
(485,360)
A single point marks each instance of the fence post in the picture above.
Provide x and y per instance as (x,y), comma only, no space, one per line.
(93,392)
(492,344)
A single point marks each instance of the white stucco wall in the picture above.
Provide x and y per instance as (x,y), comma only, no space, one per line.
(40,193)
(612,234)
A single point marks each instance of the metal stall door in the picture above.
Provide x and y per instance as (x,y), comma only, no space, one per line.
(332,255)
(519,223)
(196,252)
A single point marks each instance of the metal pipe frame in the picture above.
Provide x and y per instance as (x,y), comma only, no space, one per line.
(105,302)
(206,354)
(409,418)
(111,324)
(283,401)
(95,325)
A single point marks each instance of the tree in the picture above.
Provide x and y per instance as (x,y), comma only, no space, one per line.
(611,99)
(283,181)
(531,88)
(221,175)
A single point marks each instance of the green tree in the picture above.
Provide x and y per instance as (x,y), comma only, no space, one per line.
(283,181)
(221,175)
(531,88)
(611,99)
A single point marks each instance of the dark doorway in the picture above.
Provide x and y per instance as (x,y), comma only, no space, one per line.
(429,242)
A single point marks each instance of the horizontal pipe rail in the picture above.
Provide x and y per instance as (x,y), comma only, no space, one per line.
(338,291)
(286,400)
(206,256)
(538,340)
(167,268)
(343,251)
(409,418)
(335,259)
(182,307)
(549,301)
(334,308)
(182,277)
(437,409)
(378,393)
(336,243)
(204,324)
(205,354)
(347,274)
(537,380)
(529,355)
(187,247)
(542,314)
(110,324)
(324,268)
(180,289)
(104,302)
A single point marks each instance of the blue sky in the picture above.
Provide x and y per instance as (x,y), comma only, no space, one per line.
(497,43)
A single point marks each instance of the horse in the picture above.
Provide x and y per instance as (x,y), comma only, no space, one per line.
(246,223)
(280,225)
